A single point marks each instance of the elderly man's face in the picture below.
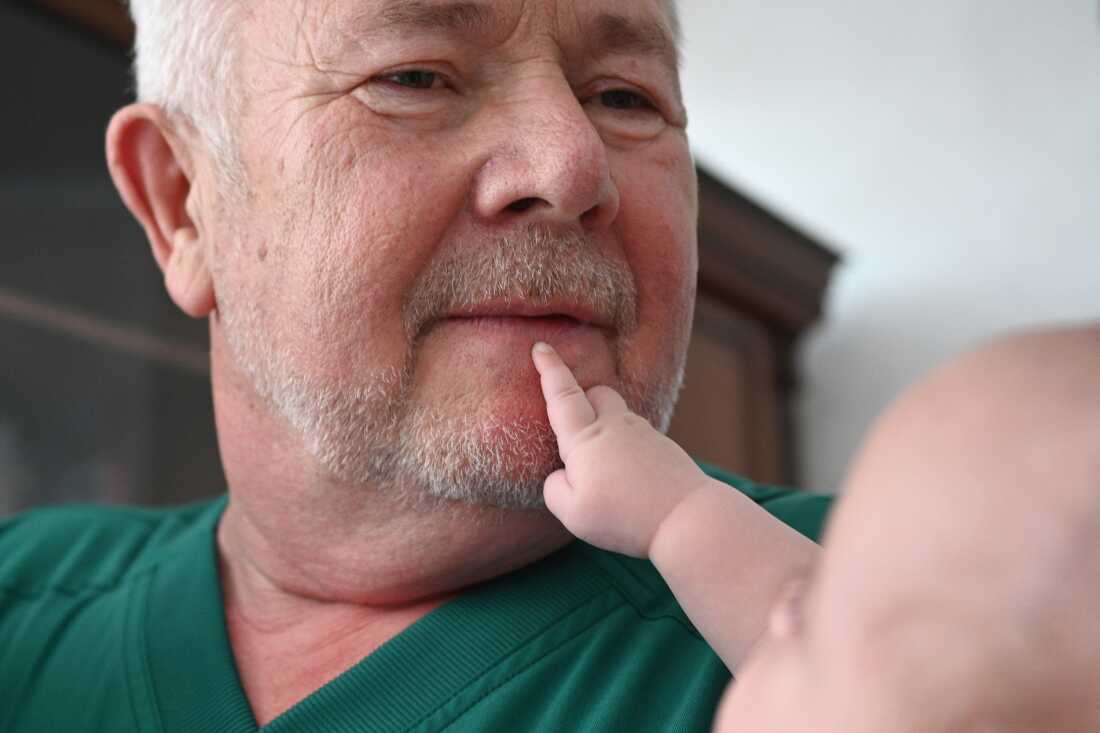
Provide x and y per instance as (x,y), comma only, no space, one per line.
(423,178)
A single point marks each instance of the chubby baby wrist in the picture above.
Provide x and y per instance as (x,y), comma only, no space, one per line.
(676,527)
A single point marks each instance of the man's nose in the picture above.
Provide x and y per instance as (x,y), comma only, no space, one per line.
(549,166)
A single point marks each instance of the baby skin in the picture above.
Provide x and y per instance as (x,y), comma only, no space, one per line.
(629,489)
(957,589)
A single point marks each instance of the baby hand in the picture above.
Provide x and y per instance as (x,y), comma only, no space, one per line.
(621,477)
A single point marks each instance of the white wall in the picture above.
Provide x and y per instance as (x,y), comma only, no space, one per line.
(949,149)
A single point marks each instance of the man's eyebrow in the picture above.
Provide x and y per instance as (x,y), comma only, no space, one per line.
(618,34)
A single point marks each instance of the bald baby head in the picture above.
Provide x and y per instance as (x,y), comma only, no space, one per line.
(957,590)
(970,542)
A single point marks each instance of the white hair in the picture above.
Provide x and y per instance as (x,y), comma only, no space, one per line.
(185,61)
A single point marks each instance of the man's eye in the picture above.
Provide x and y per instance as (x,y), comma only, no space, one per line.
(625,99)
(625,114)
(413,79)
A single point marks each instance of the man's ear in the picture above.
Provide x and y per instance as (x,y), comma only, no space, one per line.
(148,165)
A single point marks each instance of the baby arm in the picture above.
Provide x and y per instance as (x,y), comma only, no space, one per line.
(629,489)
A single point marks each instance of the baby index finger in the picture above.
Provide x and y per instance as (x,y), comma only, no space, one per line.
(567,406)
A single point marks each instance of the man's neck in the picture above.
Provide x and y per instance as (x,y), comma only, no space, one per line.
(316,573)
(305,603)
(286,556)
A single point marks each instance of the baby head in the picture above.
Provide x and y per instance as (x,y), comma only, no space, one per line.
(959,589)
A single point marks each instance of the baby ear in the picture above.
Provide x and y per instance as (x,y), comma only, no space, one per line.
(785,619)
(150,168)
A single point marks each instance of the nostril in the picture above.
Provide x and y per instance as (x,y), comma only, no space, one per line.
(523,204)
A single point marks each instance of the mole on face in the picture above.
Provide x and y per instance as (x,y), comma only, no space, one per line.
(262,252)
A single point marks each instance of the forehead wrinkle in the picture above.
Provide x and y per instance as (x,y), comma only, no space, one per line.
(409,18)
(620,35)
(464,17)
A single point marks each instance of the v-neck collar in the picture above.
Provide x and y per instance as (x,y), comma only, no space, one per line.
(192,680)
(189,664)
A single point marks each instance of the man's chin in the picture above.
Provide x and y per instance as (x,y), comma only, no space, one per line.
(482,458)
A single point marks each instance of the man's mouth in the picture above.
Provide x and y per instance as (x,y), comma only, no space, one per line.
(561,313)
(551,319)
(531,327)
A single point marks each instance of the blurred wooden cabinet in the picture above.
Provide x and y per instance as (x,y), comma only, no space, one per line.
(761,285)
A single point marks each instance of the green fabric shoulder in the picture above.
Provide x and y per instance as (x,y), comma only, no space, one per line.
(83,548)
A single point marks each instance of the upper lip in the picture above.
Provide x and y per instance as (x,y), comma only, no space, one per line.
(523,309)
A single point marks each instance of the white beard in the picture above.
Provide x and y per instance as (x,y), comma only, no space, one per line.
(371,432)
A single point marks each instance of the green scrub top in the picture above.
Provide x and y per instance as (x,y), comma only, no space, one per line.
(111,619)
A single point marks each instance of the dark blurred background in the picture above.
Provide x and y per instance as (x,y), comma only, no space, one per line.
(103,386)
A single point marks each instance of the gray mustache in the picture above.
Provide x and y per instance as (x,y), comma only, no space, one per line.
(534,265)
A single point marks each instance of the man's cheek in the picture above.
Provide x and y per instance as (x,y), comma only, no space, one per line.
(666,298)
(662,255)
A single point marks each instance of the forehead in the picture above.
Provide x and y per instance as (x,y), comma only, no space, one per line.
(600,27)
